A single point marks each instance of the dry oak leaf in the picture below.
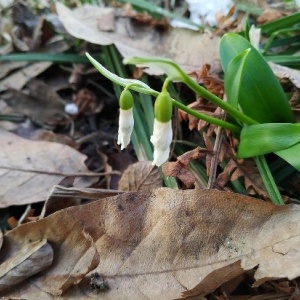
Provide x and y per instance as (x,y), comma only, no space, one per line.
(141,175)
(30,260)
(29,169)
(157,244)
(180,168)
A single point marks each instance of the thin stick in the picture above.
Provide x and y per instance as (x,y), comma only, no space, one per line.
(62,174)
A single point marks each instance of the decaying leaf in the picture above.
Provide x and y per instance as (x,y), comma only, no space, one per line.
(18,79)
(74,253)
(139,176)
(180,168)
(157,244)
(247,170)
(43,105)
(29,169)
(32,258)
(181,45)
(283,72)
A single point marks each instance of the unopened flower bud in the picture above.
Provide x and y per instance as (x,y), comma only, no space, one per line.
(126,120)
(162,131)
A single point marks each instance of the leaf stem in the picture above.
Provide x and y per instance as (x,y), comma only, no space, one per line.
(212,120)
(268,180)
(199,90)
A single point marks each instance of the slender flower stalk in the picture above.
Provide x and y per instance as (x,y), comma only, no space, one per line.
(162,130)
(126,120)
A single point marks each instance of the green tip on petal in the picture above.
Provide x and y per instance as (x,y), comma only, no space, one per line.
(126,100)
(163,107)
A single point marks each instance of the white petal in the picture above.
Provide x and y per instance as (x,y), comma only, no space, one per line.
(161,140)
(125,127)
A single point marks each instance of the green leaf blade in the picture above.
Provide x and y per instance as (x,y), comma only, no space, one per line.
(266,138)
(250,83)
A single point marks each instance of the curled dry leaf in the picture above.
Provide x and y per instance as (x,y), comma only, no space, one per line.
(246,169)
(157,244)
(32,258)
(43,105)
(74,252)
(180,168)
(139,176)
(29,169)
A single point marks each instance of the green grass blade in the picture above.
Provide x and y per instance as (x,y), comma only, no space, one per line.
(58,58)
(154,9)
(285,22)
(268,180)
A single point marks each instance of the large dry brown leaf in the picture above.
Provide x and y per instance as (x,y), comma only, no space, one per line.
(141,175)
(31,259)
(29,169)
(157,244)
(189,49)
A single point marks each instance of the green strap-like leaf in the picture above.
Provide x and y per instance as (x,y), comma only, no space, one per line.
(266,138)
(250,83)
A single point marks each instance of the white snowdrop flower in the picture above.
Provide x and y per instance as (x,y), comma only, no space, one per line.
(161,140)
(162,129)
(125,127)
(126,120)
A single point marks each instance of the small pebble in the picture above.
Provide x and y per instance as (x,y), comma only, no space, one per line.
(71,109)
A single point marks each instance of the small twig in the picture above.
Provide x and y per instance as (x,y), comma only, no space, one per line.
(215,158)
(63,174)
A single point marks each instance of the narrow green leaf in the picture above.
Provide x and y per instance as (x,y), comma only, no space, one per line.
(250,83)
(285,60)
(36,57)
(288,21)
(266,138)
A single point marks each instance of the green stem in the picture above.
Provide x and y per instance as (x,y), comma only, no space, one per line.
(268,180)
(179,74)
(199,90)
(212,120)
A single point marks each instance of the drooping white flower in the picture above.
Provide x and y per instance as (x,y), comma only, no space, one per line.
(162,129)
(126,120)
(126,123)
(161,140)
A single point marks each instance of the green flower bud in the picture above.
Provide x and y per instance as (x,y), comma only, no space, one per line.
(126,100)
(163,107)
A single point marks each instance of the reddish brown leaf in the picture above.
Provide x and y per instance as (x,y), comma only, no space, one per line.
(180,168)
